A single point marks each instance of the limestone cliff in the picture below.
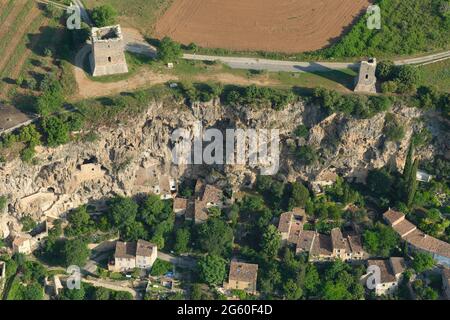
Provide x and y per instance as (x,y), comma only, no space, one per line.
(128,157)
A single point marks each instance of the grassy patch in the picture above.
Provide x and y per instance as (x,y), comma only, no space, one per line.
(436,74)
(141,14)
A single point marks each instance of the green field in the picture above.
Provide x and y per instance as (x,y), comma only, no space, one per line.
(436,74)
(140,14)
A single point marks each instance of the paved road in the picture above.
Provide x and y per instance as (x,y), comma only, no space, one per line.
(84,14)
(183,262)
(301,66)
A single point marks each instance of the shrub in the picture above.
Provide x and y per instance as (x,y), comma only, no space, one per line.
(169,50)
(56,131)
(104,15)
(393,129)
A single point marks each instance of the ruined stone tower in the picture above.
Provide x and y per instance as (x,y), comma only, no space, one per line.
(366,80)
(108,51)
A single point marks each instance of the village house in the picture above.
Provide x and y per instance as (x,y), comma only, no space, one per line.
(446,283)
(131,255)
(242,276)
(422,176)
(391,271)
(323,247)
(22,244)
(291,225)
(206,197)
(418,240)
(322,180)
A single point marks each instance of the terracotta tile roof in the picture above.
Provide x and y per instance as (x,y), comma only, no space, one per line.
(212,194)
(180,204)
(200,211)
(246,272)
(393,216)
(355,243)
(326,176)
(337,239)
(144,248)
(125,250)
(294,232)
(398,265)
(190,210)
(404,228)
(305,240)
(386,273)
(322,245)
(425,242)
(285,221)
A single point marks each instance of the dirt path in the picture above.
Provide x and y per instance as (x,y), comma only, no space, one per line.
(34,12)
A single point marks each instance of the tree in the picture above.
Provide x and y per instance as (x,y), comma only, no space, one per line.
(182,240)
(212,269)
(75,252)
(56,131)
(291,290)
(73,294)
(122,212)
(380,240)
(271,242)
(101,294)
(422,262)
(122,295)
(152,211)
(412,184)
(104,15)
(169,50)
(299,195)
(215,237)
(80,222)
(409,162)
(312,279)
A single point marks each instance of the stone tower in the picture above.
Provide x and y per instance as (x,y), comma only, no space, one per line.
(108,51)
(366,80)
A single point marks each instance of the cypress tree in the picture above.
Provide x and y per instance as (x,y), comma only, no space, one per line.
(412,183)
(409,162)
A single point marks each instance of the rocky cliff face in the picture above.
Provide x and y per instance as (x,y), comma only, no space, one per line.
(127,158)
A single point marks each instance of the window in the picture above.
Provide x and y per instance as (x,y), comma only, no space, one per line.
(109,59)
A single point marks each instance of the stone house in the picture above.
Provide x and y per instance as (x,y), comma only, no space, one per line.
(391,271)
(22,244)
(418,240)
(323,247)
(131,255)
(242,276)
(290,225)
(205,197)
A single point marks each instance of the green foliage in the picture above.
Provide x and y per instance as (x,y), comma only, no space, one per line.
(380,182)
(182,239)
(80,222)
(412,183)
(307,155)
(341,282)
(215,237)
(75,252)
(3,203)
(169,50)
(160,268)
(381,240)
(292,290)
(56,131)
(299,195)
(301,131)
(28,223)
(212,269)
(52,97)
(400,33)
(104,15)
(271,242)
(423,261)
(393,129)
(260,96)
(355,105)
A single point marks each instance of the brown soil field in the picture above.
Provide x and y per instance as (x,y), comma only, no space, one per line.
(268,25)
